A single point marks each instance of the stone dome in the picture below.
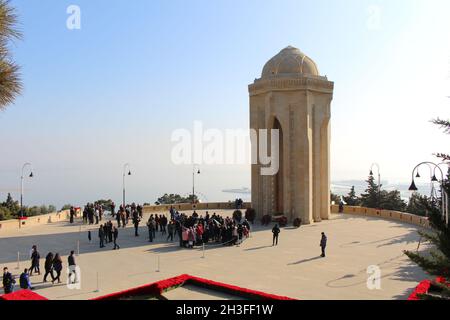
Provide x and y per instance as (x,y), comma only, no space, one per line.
(290,60)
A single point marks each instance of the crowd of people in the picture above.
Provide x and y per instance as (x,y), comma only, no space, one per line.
(191,230)
(198,229)
(53,267)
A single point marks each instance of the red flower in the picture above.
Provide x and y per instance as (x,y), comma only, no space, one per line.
(159,287)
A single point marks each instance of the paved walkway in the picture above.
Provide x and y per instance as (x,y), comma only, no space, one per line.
(293,268)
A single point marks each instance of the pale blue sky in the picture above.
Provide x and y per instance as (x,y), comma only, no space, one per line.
(114,91)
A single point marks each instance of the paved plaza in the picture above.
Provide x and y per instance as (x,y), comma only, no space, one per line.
(293,268)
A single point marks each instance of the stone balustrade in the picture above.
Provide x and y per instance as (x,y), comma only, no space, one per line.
(15,224)
(384,214)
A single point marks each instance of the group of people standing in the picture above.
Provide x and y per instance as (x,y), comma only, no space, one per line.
(92,213)
(197,230)
(53,266)
(125,213)
(107,233)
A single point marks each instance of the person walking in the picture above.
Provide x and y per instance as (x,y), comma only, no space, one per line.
(323,244)
(101,236)
(35,258)
(72,214)
(170,230)
(110,231)
(57,266)
(8,281)
(72,267)
(118,217)
(136,221)
(276,232)
(49,267)
(115,235)
(24,280)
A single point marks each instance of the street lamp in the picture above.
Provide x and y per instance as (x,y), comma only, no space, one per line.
(194,167)
(379,181)
(444,195)
(21,185)
(125,167)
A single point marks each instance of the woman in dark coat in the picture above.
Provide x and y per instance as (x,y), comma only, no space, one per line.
(57,266)
(49,266)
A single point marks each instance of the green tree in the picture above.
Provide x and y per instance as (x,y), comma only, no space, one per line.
(370,199)
(5,214)
(418,204)
(352,199)
(437,260)
(175,198)
(10,84)
(11,205)
(392,201)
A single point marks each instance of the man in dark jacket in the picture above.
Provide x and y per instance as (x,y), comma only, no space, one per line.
(101,235)
(72,214)
(115,235)
(276,231)
(323,244)
(136,221)
(35,257)
(8,281)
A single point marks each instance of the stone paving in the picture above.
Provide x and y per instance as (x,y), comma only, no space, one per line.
(293,268)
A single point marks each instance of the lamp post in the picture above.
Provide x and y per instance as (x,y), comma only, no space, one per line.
(21,185)
(194,167)
(125,167)
(379,181)
(444,195)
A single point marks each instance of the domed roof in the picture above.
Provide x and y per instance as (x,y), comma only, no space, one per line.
(290,60)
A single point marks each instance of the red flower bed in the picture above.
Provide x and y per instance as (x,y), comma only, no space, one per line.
(238,291)
(159,287)
(425,286)
(22,295)
(422,288)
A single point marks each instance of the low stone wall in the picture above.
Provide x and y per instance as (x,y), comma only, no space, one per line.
(189,206)
(35,220)
(384,214)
